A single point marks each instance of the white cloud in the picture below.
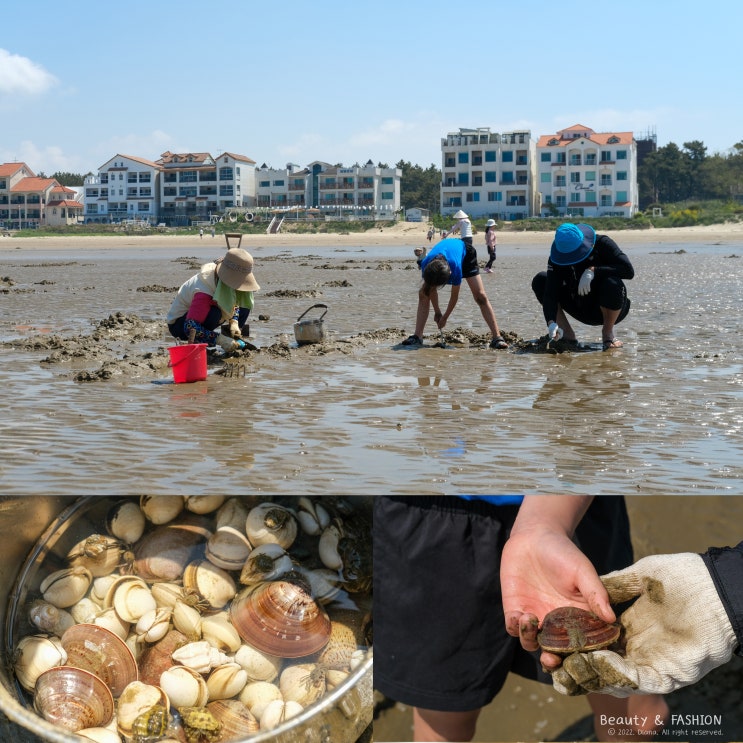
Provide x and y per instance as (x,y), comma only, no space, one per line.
(21,75)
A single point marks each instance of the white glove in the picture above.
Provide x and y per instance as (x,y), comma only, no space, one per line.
(235,331)
(554,331)
(584,285)
(229,344)
(676,631)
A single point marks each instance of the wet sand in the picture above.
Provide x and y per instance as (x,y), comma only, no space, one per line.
(90,406)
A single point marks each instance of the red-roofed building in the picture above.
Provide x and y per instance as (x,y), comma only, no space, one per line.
(27,200)
(583,173)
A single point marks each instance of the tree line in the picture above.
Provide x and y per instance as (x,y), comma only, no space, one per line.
(669,174)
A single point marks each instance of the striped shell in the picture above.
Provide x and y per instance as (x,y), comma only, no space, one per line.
(569,629)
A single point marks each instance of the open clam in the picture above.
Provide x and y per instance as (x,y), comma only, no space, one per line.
(101,652)
(237,720)
(568,629)
(73,698)
(162,554)
(280,618)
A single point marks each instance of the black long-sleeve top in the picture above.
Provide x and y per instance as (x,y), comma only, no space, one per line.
(725,565)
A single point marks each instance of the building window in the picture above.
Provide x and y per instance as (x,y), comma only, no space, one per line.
(605,180)
(188,176)
(575,198)
(575,160)
(187,191)
(473,196)
(491,176)
(575,177)
(606,200)
(507,157)
(548,199)
(387,181)
(546,157)
(463,158)
(388,195)
(559,181)
(143,206)
(560,158)
(545,177)
(463,179)
(226,174)
(278,183)
(591,197)
(560,201)
(591,158)
(621,154)
(507,177)
(489,156)
(622,196)
(605,157)
(226,191)
(590,175)
(264,184)
(495,196)
(621,175)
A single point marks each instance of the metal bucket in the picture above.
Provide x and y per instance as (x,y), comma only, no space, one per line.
(30,527)
(310,331)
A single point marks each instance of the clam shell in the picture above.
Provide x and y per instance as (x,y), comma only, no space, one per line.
(226,681)
(184,687)
(34,655)
(257,695)
(281,619)
(134,701)
(303,683)
(73,698)
(126,521)
(267,562)
(98,553)
(162,554)
(277,712)
(214,584)
(228,548)
(160,509)
(101,652)
(569,629)
(237,720)
(131,598)
(66,587)
(204,503)
(270,522)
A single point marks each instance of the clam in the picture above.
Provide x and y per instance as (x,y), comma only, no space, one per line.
(136,699)
(303,683)
(48,618)
(237,720)
(340,648)
(345,545)
(85,610)
(267,562)
(277,712)
(257,695)
(100,587)
(131,597)
(187,620)
(159,657)
(280,618)
(226,681)
(312,517)
(203,503)
(153,625)
(184,687)
(66,587)
(110,620)
(98,553)
(568,629)
(214,584)
(218,631)
(228,548)
(34,655)
(126,521)
(258,665)
(73,698)
(162,554)
(270,522)
(99,735)
(328,547)
(323,584)
(101,652)
(199,656)
(160,509)
(233,512)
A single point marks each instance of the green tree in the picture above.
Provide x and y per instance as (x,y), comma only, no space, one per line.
(419,187)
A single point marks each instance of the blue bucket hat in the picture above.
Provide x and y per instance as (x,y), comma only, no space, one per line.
(572,244)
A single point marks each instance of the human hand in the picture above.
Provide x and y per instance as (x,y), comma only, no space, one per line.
(584,285)
(229,344)
(437,315)
(542,569)
(676,631)
(554,331)
(235,331)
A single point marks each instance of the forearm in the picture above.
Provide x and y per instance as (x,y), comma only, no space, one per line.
(453,298)
(553,512)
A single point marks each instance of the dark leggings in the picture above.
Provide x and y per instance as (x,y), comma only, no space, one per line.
(205,332)
(609,292)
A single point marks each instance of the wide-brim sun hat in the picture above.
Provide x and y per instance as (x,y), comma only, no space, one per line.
(490,223)
(572,244)
(460,215)
(236,270)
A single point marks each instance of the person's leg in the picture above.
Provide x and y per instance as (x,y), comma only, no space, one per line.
(567,329)
(612,299)
(644,715)
(431,725)
(481,298)
(607,329)
(424,307)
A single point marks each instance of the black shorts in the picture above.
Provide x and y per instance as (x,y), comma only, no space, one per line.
(439,633)
(470,267)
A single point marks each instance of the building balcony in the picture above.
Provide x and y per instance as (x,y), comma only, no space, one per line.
(296,187)
(329,186)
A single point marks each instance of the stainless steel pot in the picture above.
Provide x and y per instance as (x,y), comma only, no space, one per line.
(27,526)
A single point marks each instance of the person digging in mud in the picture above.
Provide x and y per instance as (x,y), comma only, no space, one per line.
(584,279)
(448,262)
(221,292)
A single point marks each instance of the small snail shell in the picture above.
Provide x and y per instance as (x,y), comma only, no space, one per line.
(267,562)
(200,656)
(48,618)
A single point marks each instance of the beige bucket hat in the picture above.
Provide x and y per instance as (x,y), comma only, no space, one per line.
(236,270)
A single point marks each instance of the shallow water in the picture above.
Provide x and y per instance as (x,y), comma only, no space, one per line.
(662,415)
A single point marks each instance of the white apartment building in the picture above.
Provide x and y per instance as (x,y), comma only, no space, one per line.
(489,174)
(125,188)
(583,173)
(333,191)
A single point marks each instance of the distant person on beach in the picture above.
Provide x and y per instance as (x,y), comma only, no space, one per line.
(449,262)
(445,586)
(463,226)
(201,232)
(686,619)
(490,243)
(431,233)
(584,279)
(221,292)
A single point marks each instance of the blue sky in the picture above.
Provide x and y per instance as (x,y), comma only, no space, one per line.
(344,81)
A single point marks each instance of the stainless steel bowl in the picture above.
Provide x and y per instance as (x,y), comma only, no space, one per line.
(29,528)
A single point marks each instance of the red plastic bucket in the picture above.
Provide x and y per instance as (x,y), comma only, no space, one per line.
(188,362)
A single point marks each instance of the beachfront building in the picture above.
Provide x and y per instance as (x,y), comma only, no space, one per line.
(583,173)
(125,188)
(489,174)
(197,187)
(28,201)
(333,192)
